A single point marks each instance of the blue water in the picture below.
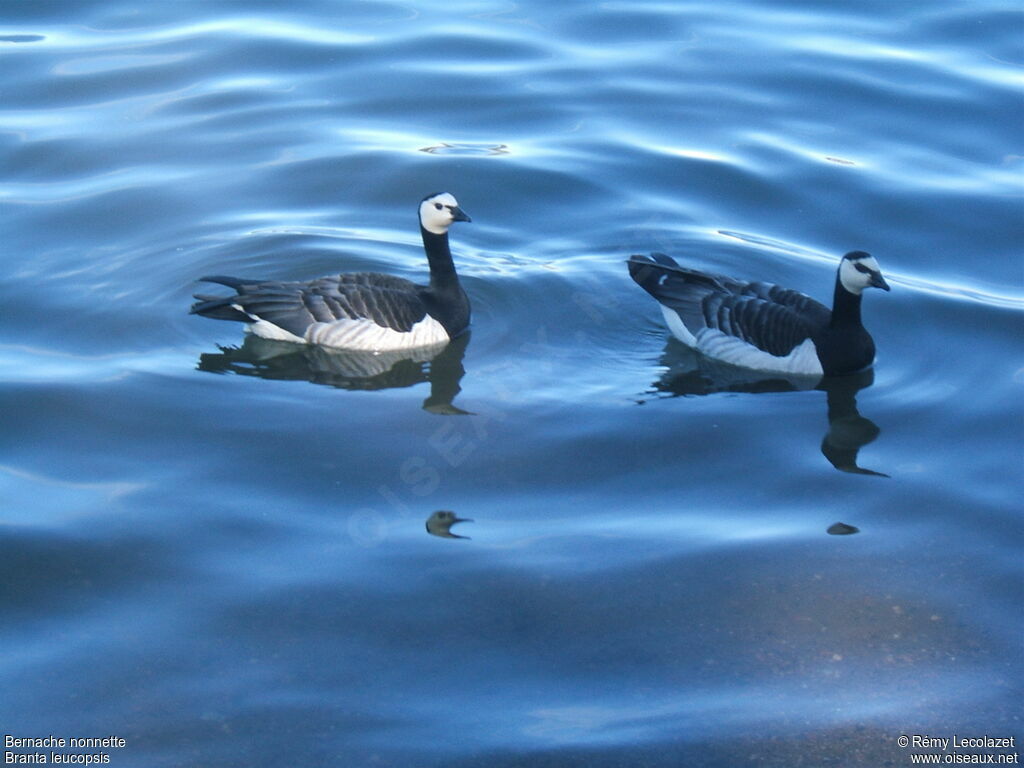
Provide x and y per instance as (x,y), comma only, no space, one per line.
(218,553)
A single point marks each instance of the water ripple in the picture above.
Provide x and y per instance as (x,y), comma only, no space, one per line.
(672,548)
(923,285)
(466,149)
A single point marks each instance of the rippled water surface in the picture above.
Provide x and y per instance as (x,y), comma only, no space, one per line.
(216,549)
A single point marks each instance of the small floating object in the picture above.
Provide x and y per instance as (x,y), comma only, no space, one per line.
(842,529)
(21,38)
(440,523)
(444,148)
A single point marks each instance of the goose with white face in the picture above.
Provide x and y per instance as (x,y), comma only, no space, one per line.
(361,311)
(438,212)
(858,271)
(761,326)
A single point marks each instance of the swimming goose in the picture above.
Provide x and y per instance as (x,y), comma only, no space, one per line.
(359,311)
(760,325)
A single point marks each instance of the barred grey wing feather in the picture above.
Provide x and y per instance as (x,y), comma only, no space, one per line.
(773,319)
(390,303)
(772,328)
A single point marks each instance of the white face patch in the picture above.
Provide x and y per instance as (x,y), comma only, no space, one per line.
(856,280)
(436,213)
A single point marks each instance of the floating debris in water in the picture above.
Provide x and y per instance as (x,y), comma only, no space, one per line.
(444,148)
(842,529)
(21,38)
(440,523)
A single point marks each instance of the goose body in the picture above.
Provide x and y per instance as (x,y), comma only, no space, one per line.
(364,311)
(760,325)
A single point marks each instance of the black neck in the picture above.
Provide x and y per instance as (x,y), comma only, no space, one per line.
(439,256)
(845,306)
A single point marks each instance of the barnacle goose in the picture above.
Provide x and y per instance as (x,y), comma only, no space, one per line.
(760,325)
(359,311)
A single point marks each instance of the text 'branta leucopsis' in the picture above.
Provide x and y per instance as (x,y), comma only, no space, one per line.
(359,311)
(760,325)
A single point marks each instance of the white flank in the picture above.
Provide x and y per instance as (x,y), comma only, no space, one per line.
(803,360)
(366,335)
(679,330)
(266,330)
(362,334)
(729,349)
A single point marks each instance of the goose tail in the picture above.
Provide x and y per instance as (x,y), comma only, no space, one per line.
(646,271)
(220,307)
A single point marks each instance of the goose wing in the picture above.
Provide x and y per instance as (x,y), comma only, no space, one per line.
(389,302)
(773,319)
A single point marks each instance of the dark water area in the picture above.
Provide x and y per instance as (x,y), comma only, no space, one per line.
(215,547)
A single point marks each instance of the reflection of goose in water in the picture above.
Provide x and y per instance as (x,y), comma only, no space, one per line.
(440,523)
(690,373)
(441,365)
(848,431)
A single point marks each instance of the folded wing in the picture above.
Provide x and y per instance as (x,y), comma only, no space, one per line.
(388,302)
(774,320)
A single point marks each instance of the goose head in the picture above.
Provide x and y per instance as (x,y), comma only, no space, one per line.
(859,270)
(440,211)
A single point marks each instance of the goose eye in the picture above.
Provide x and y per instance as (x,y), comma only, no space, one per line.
(862,268)
(438,206)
